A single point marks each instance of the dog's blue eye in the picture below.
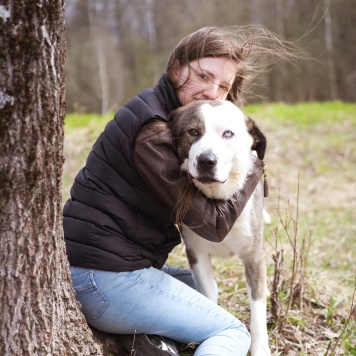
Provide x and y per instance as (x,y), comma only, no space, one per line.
(193,132)
(228,134)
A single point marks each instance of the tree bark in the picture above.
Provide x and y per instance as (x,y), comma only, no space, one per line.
(39,313)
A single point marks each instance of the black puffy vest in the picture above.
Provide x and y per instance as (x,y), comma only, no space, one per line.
(112,221)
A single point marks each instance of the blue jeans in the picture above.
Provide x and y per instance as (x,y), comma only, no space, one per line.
(162,302)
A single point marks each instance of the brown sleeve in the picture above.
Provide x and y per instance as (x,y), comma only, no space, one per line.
(158,165)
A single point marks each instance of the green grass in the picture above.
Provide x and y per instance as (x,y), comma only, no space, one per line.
(304,114)
(94,121)
(311,159)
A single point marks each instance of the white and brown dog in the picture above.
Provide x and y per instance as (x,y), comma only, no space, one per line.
(215,141)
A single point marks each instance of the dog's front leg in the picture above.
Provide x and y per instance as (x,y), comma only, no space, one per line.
(200,265)
(255,271)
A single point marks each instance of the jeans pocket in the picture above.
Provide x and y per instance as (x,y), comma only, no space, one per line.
(93,302)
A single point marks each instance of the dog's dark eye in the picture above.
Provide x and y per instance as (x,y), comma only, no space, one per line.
(193,132)
(228,134)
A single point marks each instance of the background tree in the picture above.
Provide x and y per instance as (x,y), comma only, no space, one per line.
(329,45)
(39,314)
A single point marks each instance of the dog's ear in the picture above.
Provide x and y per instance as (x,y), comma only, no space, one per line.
(173,119)
(259,139)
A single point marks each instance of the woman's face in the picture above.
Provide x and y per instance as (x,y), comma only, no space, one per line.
(205,79)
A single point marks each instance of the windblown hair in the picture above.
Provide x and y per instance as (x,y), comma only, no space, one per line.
(252,48)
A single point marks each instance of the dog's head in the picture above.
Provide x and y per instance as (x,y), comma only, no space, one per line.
(214,140)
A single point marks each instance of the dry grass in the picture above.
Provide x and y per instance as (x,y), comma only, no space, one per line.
(310,244)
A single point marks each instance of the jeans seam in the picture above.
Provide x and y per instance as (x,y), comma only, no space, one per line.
(106,302)
(92,284)
(173,296)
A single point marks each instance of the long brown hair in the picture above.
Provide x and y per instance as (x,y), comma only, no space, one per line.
(253,48)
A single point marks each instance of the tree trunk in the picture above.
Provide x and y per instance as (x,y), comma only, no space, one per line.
(330,50)
(283,89)
(152,36)
(98,34)
(39,314)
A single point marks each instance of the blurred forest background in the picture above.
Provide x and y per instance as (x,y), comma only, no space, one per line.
(116,48)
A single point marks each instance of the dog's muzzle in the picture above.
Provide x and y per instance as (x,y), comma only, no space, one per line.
(206,167)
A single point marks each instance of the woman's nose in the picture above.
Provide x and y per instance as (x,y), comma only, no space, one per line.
(212,92)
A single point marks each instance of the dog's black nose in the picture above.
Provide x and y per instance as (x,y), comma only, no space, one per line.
(206,162)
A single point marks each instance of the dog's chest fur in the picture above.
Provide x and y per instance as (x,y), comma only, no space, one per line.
(238,241)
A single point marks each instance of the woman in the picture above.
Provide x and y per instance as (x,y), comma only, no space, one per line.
(119,223)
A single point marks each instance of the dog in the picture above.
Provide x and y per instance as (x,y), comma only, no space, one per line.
(215,142)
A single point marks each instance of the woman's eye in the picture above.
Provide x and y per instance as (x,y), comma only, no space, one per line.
(224,88)
(228,134)
(193,132)
(203,76)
